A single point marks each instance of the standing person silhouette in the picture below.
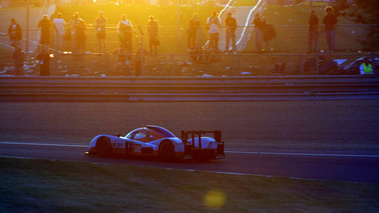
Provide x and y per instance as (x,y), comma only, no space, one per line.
(259,24)
(45,26)
(192,32)
(313,32)
(153,31)
(213,23)
(15,34)
(100,24)
(59,25)
(230,32)
(125,30)
(330,21)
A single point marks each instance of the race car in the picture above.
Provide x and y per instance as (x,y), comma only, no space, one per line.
(159,142)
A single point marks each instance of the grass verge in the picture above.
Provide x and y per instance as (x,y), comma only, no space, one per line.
(53,186)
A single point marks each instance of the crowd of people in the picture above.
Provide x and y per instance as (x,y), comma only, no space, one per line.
(74,31)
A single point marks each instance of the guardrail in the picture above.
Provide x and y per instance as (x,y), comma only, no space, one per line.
(126,89)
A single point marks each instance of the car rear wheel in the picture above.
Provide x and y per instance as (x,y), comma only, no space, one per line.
(103,147)
(167,151)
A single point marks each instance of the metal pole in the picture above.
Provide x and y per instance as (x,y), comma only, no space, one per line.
(179,34)
(172,64)
(301,64)
(373,62)
(27,26)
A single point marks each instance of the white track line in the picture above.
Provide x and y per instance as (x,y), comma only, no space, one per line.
(303,154)
(43,144)
(232,152)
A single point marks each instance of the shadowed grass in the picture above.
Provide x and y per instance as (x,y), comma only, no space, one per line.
(54,186)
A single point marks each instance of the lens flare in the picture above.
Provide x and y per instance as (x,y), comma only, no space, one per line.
(215,199)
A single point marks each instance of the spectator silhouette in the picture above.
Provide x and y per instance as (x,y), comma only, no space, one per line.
(192,32)
(230,32)
(213,24)
(259,23)
(125,30)
(366,67)
(330,22)
(59,25)
(45,26)
(80,36)
(100,24)
(313,32)
(153,30)
(15,34)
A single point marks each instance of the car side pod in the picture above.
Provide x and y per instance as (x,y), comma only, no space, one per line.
(193,152)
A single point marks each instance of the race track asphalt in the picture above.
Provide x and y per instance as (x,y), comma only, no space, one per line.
(327,140)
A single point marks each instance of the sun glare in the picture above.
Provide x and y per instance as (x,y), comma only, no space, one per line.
(215,199)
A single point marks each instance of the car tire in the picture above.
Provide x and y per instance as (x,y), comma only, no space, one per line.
(103,147)
(167,151)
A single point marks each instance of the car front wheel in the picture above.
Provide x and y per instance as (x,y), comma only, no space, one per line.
(103,147)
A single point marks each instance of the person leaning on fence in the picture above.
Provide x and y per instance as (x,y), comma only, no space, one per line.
(366,67)
(213,24)
(269,33)
(125,30)
(123,64)
(73,26)
(313,32)
(330,21)
(59,25)
(45,26)
(15,34)
(259,23)
(192,31)
(153,31)
(100,24)
(230,32)
(18,57)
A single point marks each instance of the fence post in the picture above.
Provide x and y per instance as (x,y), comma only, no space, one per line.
(373,62)
(318,64)
(172,64)
(233,65)
(107,65)
(301,56)
(56,59)
(239,63)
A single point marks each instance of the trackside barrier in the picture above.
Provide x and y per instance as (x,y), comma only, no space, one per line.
(127,89)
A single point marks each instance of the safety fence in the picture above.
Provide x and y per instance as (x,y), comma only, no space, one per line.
(205,64)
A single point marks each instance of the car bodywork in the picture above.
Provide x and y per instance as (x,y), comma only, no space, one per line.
(160,142)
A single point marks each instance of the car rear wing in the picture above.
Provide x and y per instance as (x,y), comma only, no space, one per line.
(191,151)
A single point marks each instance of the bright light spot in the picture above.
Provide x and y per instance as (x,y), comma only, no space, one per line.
(214,199)
(51,55)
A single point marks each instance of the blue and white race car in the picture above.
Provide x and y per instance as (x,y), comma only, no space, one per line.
(159,142)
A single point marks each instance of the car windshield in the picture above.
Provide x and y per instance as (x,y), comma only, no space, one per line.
(160,130)
(164,132)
